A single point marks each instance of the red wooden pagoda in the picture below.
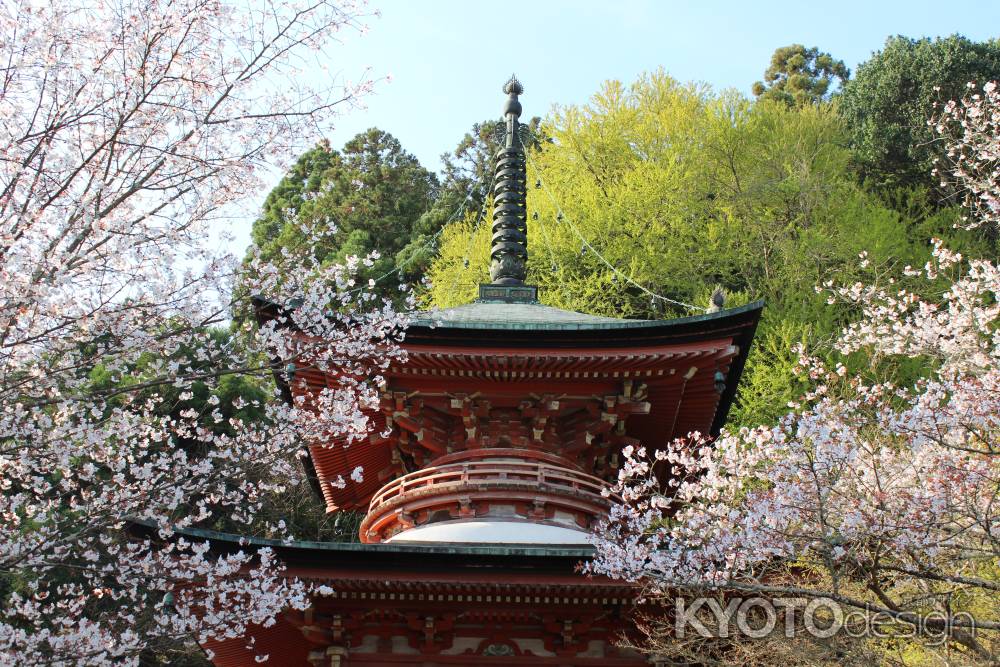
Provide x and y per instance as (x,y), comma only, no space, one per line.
(485,470)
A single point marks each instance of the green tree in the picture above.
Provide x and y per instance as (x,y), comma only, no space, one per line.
(682,190)
(798,76)
(369,196)
(887,104)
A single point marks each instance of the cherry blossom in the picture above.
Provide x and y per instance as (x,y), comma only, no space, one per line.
(886,494)
(880,495)
(132,131)
(971,129)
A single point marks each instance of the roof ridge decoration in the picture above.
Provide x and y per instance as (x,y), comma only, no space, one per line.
(509,252)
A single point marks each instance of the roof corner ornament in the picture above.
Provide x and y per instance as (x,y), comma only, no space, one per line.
(718,300)
(509,253)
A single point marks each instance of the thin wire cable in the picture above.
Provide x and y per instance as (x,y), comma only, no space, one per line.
(587,244)
(548,242)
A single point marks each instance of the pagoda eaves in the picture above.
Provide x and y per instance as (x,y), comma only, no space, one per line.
(534,379)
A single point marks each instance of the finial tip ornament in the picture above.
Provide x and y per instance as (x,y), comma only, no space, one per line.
(513,86)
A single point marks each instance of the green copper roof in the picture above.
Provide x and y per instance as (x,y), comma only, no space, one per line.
(384,547)
(513,316)
(535,316)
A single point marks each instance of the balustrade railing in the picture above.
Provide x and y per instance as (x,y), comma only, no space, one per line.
(533,475)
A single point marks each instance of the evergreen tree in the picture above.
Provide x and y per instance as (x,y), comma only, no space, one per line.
(887,104)
(798,76)
(372,193)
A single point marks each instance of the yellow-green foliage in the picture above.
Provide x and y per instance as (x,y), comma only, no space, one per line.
(463,263)
(683,189)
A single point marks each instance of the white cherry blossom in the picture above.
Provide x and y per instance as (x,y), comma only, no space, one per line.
(130,129)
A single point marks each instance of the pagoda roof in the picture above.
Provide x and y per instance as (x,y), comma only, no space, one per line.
(534,316)
(487,324)
(538,317)
(501,315)
(310,550)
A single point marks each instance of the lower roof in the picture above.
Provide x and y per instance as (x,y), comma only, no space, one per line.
(226,541)
(427,568)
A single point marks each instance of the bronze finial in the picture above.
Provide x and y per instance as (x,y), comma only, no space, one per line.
(509,254)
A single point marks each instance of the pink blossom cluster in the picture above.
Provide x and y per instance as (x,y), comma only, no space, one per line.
(971,129)
(130,129)
(862,479)
(881,495)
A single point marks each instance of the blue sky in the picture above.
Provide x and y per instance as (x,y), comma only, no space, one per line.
(448,59)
